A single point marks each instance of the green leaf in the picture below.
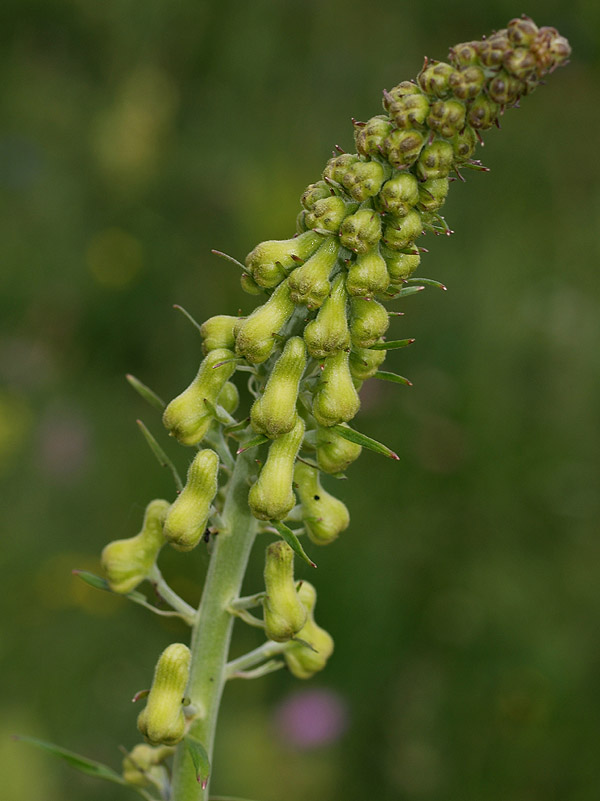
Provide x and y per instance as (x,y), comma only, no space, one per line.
(361,439)
(80,763)
(199,758)
(393,377)
(259,439)
(292,540)
(146,393)
(188,315)
(426,282)
(392,344)
(161,456)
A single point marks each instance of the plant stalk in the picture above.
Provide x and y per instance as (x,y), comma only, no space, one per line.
(211,634)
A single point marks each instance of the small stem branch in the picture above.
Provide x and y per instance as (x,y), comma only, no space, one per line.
(263,653)
(183,609)
(248,601)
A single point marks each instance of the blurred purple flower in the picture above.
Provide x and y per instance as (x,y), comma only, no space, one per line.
(64,446)
(309,718)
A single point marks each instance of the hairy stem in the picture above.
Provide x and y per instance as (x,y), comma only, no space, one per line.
(212,633)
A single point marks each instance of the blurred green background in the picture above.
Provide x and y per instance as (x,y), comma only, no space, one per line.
(465,599)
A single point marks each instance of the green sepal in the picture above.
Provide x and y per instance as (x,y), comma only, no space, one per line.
(161,456)
(426,282)
(292,540)
(200,759)
(146,393)
(393,377)
(259,439)
(361,439)
(188,315)
(99,583)
(82,764)
(233,429)
(392,344)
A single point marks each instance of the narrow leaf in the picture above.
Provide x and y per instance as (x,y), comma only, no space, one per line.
(392,344)
(82,764)
(361,439)
(426,282)
(393,377)
(188,315)
(146,393)
(408,290)
(259,439)
(292,540)
(162,457)
(94,581)
(200,760)
(227,257)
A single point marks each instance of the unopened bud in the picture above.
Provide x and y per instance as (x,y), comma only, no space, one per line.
(433,193)
(309,284)
(304,661)
(217,332)
(464,54)
(162,720)
(467,82)
(520,62)
(370,136)
(187,517)
(398,93)
(187,417)
(336,399)
(361,231)
(325,517)
(367,275)
(436,160)
(127,563)
(142,768)
(271,497)
(402,147)
(521,31)
(369,321)
(254,335)
(229,397)
(270,261)
(284,612)
(447,117)
(363,179)
(493,49)
(328,332)
(464,144)
(314,192)
(434,79)
(407,105)
(274,412)
(327,214)
(364,362)
(334,452)
(399,194)
(401,232)
(483,112)
(400,265)
(249,285)
(505,89)
(338,166)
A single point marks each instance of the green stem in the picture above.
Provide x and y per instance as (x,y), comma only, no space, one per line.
(212,632)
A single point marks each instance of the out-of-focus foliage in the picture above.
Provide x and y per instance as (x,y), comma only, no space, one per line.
(464,598)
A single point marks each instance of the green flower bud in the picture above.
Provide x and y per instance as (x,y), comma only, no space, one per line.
(314,192)
(550,50)
(363,179)
(521,31)
(483,113)
(402,148)
(142,768)
(328,332)
(325,517)
(361,231)
(274,412)
(505,89)
(463,55)
(410,110)
(369,322)
(520,62)
(402,231)
(127,563)
(338,166)
(464,144)
(364,363)
(327,214)
(309,284)
(187,417)
(467,82)
(249,285)
(284,612)
(368,275)
(493,49)
(336,400)
(370,136)
(447,117)
(436,160)
(302,661)
(254,335)
(399,92)
(162,720)
(334,453)
(229,397)
(400,265)
(217,332)
(434,79)
(432,193)
(399,194)
(187,517)
(271,497)
(270,261)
